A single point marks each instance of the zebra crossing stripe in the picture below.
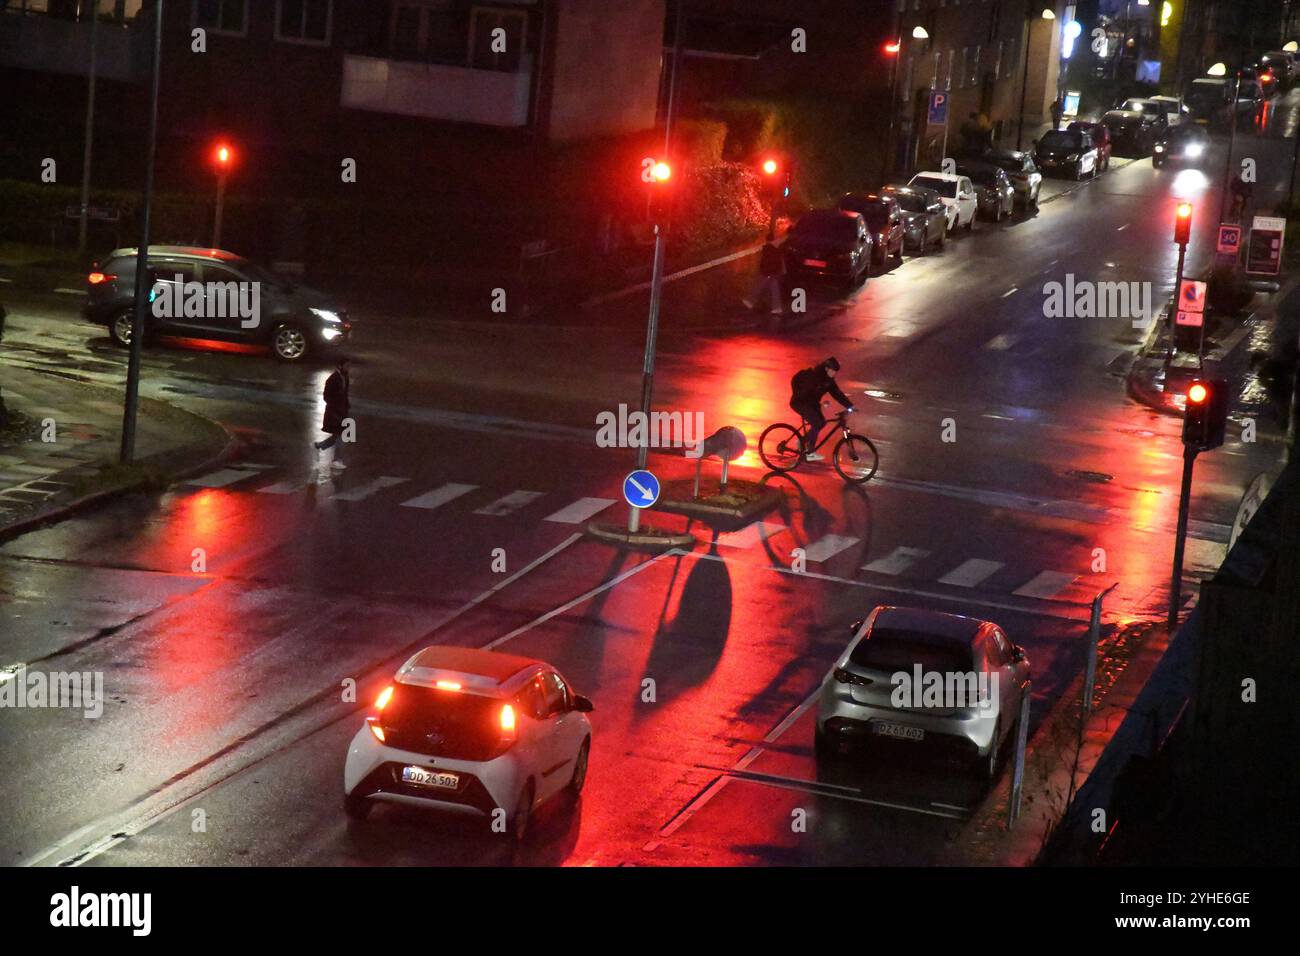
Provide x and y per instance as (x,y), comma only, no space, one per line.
(580,510)
(439,496)
(897,561)
(290,487)
(220,479)
(510,503)
(1046,585)
(751,535)
(362,492)
(970,573)
(828,546)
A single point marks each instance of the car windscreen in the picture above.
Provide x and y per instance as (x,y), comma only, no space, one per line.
(1061,139)
(985,177)
(910,201)
(944,187)
(835,228)
(446,723)
(891,650)
(875,214)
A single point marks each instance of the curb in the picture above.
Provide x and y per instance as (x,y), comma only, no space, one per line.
(56,513)
(766,499)
(647,538)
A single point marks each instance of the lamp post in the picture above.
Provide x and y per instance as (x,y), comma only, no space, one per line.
(918,33)
(82,225)
(223,156)
(1047,14)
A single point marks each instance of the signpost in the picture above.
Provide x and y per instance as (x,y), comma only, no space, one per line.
(1264,252)
(937,113)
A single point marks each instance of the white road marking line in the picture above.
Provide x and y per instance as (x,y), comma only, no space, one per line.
(1000,343)
(220,479)
(897,561)
(510,503)
(71,291)
(439,496)
(1123,227)
(1010,292)
(970,573)
(1046,585)
(828,546)
(751,535)
(671,277)
(362,492)
(287,487)
(580,510)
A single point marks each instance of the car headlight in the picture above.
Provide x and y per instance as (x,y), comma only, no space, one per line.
(1160,149)
(1073,157)
(1194,149)
(326,315)
(329,335)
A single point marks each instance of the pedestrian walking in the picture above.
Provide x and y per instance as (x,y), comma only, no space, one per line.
(336,414)
(1056,113)
(771,268)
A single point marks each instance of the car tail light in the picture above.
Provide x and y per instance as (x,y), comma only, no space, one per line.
(96,278)
(508,722)
(376,730)
(846,677)
(372,721)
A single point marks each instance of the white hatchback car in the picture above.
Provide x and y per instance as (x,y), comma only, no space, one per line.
(470,731)
(958,195)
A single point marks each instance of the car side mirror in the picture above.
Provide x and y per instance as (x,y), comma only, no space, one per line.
(1017,653)
(583,704)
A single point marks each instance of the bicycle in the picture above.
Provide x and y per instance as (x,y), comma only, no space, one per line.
(783,447)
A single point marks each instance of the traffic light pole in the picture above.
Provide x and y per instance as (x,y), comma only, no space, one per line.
(1173,313)
(221,204)
(1180,541)
(87,147)
(132,401)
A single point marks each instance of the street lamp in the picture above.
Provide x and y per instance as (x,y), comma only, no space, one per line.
(222,157)
(1047,14)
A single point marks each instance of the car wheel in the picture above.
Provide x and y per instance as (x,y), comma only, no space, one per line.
(523,814)
(289,343)
(119,329)
(986,768)
(970,223)
(580,768)
(358,808)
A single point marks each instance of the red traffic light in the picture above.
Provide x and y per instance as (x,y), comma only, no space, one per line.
(892,47)
(661,172)
(1197,394)
(223,155)
(770,166)
(1183,224)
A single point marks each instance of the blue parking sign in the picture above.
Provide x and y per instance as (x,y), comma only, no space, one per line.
(938,108)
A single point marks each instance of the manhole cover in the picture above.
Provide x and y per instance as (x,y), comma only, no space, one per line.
(1098,476)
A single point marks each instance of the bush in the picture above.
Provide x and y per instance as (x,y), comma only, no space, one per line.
(725,205)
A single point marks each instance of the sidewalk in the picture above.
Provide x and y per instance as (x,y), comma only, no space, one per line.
(43,480)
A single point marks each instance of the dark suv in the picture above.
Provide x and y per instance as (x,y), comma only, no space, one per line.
(215,295)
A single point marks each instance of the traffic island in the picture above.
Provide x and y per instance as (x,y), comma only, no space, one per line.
(740,501)
(645,537)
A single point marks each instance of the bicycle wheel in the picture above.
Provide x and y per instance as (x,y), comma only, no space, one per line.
(856,459)
(781,447)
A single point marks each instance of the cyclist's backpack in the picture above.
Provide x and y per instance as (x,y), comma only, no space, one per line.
(804,383)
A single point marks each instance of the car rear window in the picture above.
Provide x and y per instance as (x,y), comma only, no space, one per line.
(910,201)
(876,214)
(944,187)
(1062,139)
(893,650)
(443,723)
(841,228)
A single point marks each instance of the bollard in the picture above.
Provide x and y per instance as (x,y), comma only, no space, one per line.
(1018,773)
(728,443)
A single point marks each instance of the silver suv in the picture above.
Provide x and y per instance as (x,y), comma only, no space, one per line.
(925,679)
(214,295)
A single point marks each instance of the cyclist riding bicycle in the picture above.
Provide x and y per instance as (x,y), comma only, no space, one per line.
(806,390)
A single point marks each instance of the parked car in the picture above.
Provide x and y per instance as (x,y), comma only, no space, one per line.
(1066,152)
(857,702)
(1183,145)
(957,193)
(829,242)
(995,197)
(1132,133)
(1250,99)
(471,732)
(1209,99)
(212,294)
(884,221)
(1284,65)
(925,218)
(1023,172)
(1100,138)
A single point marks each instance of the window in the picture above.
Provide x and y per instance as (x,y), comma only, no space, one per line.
(532,701)
(497,39)
(303,21)
(557,695)
(222,16)
(434,30)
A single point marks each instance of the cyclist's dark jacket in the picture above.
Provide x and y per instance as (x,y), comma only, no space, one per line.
(810,384)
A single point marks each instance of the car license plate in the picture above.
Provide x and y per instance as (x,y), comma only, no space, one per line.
(815,263)
(422,777)
(898,731)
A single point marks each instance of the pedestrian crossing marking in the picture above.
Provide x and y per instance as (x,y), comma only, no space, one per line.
(289,487)
(510,503)
(580,510)
(361,492)
(897,561)
(439,496)
(828,546)
(1046,585)
(220,479)
(970,573)
(751,535)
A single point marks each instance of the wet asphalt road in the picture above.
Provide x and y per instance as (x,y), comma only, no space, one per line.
(223,735)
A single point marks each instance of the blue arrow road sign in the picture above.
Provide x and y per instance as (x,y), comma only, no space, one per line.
(641,489)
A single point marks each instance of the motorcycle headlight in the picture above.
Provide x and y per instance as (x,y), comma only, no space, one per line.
(1160,149)
(326,315)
